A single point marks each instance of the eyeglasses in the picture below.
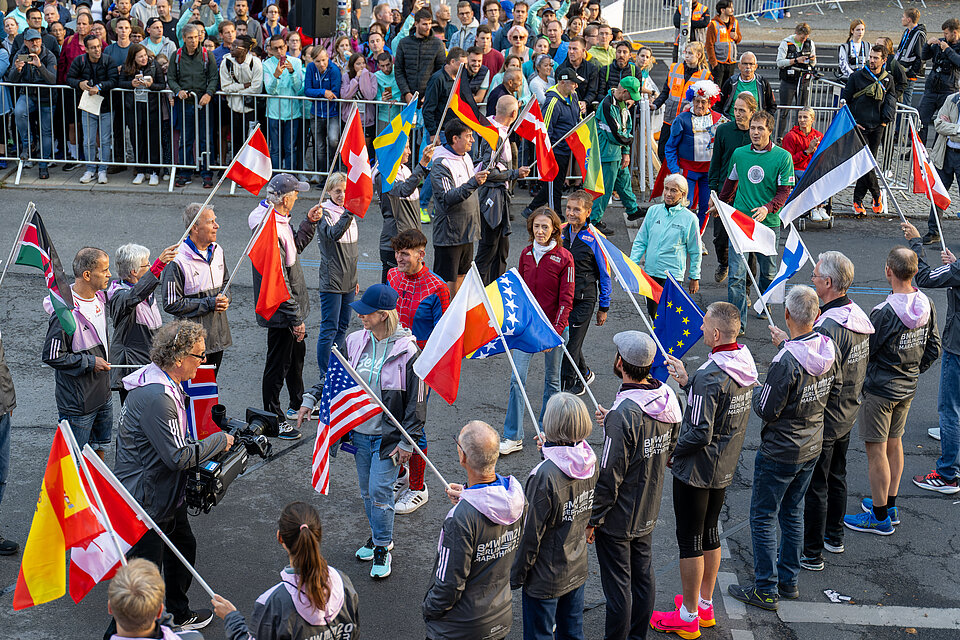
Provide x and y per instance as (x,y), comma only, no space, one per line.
(201,357)
(457,440)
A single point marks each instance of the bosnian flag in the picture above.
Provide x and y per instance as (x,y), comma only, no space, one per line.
(842,157)
(251,168)
(466,326)
(748,235)
(926,179)
(532,128)
(795,255)
(359,192)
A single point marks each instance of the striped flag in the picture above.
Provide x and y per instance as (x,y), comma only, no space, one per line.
(465,107)
(795,255)
(36,250)
(343,405)
(202,394)
(251,169)
(625,271)
(585,146)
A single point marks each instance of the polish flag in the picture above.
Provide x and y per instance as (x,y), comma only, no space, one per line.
(926,179)
(463,328)
(748,235)
(533,128)
(251,169)
(359,192)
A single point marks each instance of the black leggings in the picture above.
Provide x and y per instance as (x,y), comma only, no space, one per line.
(697,511)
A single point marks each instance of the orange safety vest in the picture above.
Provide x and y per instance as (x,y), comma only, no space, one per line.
(697,14)
(725,49)
(678,90)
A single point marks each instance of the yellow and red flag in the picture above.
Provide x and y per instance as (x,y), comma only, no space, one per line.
(63,519)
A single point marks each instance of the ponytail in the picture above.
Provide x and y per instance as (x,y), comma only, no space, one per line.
(300,530)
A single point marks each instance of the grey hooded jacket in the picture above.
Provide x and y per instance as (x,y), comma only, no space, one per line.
(339,250)
(456,217)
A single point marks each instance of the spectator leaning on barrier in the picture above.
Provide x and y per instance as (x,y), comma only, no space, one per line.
(944,77)
(721,40)
(194,79)
(8,402)
(322,83)
(39,69)
(142,77)
(94,74)
(910,50)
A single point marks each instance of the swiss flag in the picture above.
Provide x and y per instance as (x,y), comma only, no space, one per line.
(359,190)
(748,235)
(264,253)
(532,128)
(251,168)
(926,179)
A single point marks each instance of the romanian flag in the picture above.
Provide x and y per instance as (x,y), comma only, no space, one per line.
(625,271)
(585,146)
(63,519)
(390,144)
(36,250)
(465,107)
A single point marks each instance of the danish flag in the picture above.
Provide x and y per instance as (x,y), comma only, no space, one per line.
(359,192)
(533,128)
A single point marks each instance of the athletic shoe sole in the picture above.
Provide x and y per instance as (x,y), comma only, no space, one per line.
(833,548)
(879,532)
(944,489)
(811,565)
(389,548)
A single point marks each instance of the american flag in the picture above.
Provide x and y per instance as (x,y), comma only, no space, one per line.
(343,405)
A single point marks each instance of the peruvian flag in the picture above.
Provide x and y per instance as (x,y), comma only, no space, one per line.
(532,128)
(264,253)
(463,328)
(251,168)
(748,235)
(98,560)
(926,179)
(355,159)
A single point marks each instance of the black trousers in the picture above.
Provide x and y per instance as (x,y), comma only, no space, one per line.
(930,103)
(388,260)
(722,72)
(629,586)
(284,364)
(651,303)
(492,251)
(578,331)
(721,243)
(868,181)
(216,359)
(826,500)
(543,196)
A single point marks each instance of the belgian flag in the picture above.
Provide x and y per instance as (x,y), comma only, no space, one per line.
(465,107)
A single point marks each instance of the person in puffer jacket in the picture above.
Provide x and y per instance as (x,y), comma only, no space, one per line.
(906,342)
(850,329)
(135,598)
(704,463)
(791,403)
(551,563)
(469,598)
(312,599)
(639,431)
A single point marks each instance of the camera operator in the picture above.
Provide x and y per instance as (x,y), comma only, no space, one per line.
(154,455)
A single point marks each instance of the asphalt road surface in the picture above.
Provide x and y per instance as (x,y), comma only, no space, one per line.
(902,585)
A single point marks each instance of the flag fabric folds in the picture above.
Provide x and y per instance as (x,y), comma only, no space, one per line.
(522,321)
(251,168)
(533,128)
(343,405)
(63,519)
(795,255)
(465,107)
(202,394)
(585,146)
(926,179)
(678,325)
(36,250)
(842,157)
(463,328)
(625,271)
(353,154)
(390,144)
(748,235)
(264,254)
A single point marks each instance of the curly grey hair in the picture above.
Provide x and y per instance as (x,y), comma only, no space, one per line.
(174,341)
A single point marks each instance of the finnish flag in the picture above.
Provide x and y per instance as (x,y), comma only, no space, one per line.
(795,255)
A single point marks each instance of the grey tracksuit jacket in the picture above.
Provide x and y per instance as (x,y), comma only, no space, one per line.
(456,217)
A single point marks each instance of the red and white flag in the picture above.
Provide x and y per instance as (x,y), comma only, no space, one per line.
(264,253)
(359,192)
(251,169)
(748,235)
(533,128)
(463,328)
(98,560)
(926,179)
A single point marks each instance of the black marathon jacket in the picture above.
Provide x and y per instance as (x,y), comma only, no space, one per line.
(638,434)
(715,420)
(905,344)
(945,276)
(850,329)
(100,73)
(791,403)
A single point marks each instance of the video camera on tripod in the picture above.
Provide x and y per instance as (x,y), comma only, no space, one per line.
(208,481)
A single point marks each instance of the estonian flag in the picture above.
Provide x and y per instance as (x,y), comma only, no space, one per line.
(842,157)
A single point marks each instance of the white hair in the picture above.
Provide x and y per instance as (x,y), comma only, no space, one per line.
(680,182)
(129,257)
(838,268)
(803,305)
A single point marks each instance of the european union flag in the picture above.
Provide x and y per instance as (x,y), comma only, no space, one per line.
(677,325)
(389,145)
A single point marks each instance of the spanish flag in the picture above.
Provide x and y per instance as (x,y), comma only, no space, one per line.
(585,146)
(63,519)
(465,107)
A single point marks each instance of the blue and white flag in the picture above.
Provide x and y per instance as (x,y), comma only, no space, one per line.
(795,255)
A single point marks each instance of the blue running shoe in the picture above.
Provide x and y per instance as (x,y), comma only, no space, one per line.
(868,524)
(894,513)
(366,552)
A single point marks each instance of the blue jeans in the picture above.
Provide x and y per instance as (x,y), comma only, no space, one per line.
(4,451)
(948,406)
(513,423)
(738,281)
(560,618)
(95,428)
(284,134)
(376,478)
(195,125)
(92,126)
(335,312)
(24,107)
(778,490)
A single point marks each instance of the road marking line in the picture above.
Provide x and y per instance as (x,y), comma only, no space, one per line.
(734,608)
(927,618)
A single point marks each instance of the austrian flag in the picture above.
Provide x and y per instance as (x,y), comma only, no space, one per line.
(251,168)
(354,155)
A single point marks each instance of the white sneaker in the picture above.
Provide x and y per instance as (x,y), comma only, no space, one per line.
(401,485)
(88,177)
(508,446)
(102,177)
(411,500)
(154,179)
(815,215)
(934,432)
(138,179)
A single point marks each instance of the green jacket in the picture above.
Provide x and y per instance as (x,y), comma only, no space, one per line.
(729,137)
(197,73)
(614,128)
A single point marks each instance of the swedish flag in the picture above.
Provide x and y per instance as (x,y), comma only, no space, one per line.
(677,325)
(389,145)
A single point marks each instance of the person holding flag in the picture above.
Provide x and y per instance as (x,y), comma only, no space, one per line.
(400,203)
(135,599)
(615,131)
(945,156)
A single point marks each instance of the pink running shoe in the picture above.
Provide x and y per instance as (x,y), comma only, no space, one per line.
(671,622)
(706,615)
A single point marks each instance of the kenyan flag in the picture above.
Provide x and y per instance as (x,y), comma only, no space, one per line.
(36,250)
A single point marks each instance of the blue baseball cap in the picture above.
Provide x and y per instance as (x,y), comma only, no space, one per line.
(31,34)
(378,297)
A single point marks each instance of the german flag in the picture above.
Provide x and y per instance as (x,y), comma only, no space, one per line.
(465,107)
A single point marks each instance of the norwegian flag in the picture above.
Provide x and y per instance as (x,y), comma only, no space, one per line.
(251,168)
(343,405)
(354,155)
(202,393)
(926,179)
(748,235)
(532,128)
